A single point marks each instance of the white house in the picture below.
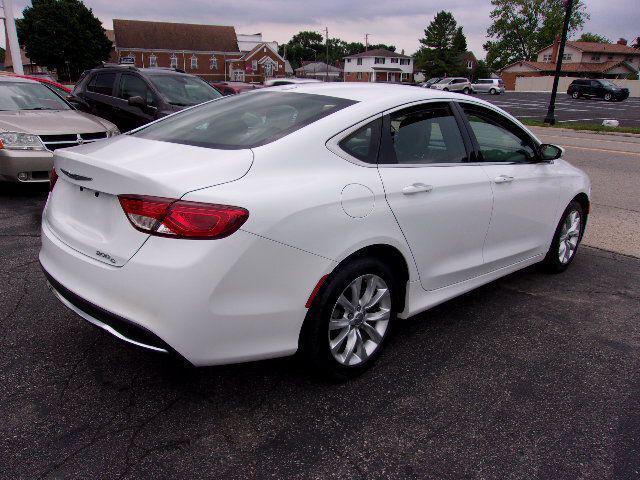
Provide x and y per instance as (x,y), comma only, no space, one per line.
(378,65)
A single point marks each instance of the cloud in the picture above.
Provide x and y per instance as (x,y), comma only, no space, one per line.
(400,23)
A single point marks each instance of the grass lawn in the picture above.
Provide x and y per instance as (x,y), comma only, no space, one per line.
(593,127)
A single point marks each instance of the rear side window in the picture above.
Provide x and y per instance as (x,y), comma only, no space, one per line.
(427,134)
(498,138)
(102,83)
(363,143)
(244,121)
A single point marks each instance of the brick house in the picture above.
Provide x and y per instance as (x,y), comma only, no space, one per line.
(209,51)
(580,59)
(378,65)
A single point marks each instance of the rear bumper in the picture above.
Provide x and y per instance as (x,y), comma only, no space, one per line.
(238,299)
(36,165)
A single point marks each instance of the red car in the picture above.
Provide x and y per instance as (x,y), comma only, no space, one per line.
(53,85)
(233,88)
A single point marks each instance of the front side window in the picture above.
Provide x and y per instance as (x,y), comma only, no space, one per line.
(102,83)
(29,96)
(134,86)
(184,90)
(244,121)
(363,143)
(499,139)
(426,134)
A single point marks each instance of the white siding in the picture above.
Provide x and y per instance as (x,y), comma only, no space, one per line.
(369,62)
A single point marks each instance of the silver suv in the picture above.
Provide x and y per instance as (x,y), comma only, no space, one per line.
(34,121)
(494,86)
(454,84)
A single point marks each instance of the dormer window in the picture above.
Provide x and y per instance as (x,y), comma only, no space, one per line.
(213,63)
(174,60)
(469,64)
(194,62)
(153,60)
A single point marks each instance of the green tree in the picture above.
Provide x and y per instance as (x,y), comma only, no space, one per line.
(441,46)
(482,70)
(520,28)
(64,35)
(592,37)
(304,45)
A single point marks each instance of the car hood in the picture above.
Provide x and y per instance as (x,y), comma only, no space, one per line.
(52,122)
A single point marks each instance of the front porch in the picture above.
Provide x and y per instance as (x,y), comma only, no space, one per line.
(388,74)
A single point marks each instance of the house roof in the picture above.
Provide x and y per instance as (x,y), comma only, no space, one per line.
(317,67)
(378,52)
(604,47)
(601,67)
(173,36)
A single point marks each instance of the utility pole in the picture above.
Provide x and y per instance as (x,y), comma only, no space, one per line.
(326,32)
(366,41)
(550,118)
(12,36)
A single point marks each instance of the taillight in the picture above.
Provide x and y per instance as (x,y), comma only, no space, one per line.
(53,178)
(166,217)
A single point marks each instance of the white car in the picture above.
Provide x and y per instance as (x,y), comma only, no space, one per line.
(278,82)
(308,217)
(453,84)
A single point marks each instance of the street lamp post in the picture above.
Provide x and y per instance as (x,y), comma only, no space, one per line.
(12,36)
(550,118)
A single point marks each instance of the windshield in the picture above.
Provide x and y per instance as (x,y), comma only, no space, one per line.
(184,90)
(29,96)
(444,80)
(607,83)
(243,121)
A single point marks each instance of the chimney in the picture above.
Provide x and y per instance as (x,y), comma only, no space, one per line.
(556,47)
(622,41)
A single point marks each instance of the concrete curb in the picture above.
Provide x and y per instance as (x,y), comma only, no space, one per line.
(566,130)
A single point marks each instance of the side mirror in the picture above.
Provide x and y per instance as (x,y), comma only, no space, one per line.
(137,101)
(550,152)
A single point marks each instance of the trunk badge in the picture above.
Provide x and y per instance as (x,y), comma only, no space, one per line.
(75,176)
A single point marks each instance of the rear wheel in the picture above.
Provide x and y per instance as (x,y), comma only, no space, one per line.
(608,97)
(349,322)
(575,94)
(445,89)
(493,91)
(466,90)
(566,239)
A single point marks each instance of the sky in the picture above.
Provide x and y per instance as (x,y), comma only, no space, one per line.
(396,22)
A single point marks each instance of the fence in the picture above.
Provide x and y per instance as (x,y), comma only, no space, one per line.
(544,84)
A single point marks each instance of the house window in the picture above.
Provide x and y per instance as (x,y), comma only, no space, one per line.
(394,60)
(254,65)
(546,57)
(403,76)
(238,75)
(595,58)
(405,61)
(379,60)
(213,63)
(268,70)
(469,64)
(174,60)
(153,60)
(194,62)
(359,62)
(359,76)
(566,56)
(348,60)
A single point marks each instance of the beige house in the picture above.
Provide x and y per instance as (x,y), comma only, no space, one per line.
(580,59)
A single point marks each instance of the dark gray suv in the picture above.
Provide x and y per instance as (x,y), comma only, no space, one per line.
(131,97)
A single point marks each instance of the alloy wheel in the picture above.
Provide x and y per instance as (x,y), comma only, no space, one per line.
(569,236)
(607,97)
(359,320)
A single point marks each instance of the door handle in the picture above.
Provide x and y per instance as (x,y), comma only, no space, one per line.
(416,188)
(503,179)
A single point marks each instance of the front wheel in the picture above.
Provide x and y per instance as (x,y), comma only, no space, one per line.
(493,91)
(566,239)
(445,89)
(608,97)
(466,91)
(575,95)
(349,322)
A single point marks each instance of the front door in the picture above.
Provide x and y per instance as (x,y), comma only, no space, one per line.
(525,190)
(441,203)
(129,117)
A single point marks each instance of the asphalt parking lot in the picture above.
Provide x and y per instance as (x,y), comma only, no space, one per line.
(532,376)
(533,105)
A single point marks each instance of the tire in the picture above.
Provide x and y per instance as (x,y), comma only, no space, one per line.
(565,241)
(352,353)
(608,97)
(466,91)
(575,95)
(445,89)
(492,91)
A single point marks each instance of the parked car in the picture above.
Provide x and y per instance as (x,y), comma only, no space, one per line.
(599,88)
(131,97)
(58,88)
(34,122)
(275,82)
(454,84)
(233,88)
(276,220)
(430,82)
(493,86)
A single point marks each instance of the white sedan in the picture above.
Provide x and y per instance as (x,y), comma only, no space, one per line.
(303,218)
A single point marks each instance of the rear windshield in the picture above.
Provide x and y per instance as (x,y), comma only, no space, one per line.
(243,121)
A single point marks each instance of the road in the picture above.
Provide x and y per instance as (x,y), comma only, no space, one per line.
(533,105)
(531,376)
